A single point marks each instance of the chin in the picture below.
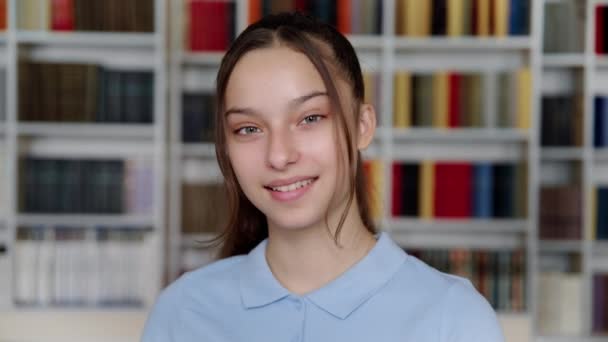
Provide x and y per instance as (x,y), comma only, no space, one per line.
(295,222)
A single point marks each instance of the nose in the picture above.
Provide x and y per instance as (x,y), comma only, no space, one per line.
(282,150)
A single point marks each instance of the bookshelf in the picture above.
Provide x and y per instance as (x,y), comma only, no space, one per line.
(78,232)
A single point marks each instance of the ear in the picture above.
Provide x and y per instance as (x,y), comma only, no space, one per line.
(367,126)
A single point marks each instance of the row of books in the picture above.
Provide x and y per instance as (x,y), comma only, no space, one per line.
(600,213)
(562,120)
(601,29)
(84,93)
(600,126)
(349,16)
(459,190)
(82,267)
(86,186)
(204,208)
(560,303)
(456,18)
(198,112)
(452,99)
(560,212)
(210,24)
(600,304)
(86,15)
(500,276)
(564,26)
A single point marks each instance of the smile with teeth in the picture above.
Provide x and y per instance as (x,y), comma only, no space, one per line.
(293,186)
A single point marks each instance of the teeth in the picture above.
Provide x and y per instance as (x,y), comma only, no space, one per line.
(293,186)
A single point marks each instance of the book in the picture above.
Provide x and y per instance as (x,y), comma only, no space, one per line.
(560,300)
(403,100)
(211,24)
(453,190)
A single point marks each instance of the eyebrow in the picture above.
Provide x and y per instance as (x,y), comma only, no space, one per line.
(292,103)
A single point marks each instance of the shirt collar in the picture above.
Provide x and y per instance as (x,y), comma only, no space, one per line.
(341,296)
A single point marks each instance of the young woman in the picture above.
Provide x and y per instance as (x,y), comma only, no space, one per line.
(301,258)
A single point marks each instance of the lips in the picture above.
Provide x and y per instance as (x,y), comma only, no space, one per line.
(290,189)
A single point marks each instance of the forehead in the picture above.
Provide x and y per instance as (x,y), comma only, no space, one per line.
(272,74)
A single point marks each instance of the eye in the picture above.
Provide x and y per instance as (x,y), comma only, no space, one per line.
(312,119)
(248,130)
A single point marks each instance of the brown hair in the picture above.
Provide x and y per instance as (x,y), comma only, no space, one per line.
(247,225)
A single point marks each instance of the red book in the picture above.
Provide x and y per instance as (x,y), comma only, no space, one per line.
(300,5)
(344,8)
(397,187)
(209,25)
(599,30)
(453,190)
(454,100)
(62,15)
(2,14)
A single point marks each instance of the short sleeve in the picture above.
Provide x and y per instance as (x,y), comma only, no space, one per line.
(161,324)
(467,316)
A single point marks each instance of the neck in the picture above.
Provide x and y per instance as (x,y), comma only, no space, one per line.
(306,259)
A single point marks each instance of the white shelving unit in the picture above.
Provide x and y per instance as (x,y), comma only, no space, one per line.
(121,51)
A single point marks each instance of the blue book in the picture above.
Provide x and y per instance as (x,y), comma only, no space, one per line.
(604,115)
(518,17)
(602,214)
(598,124)
(482,191)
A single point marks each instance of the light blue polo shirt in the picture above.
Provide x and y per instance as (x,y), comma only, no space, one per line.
(387,296)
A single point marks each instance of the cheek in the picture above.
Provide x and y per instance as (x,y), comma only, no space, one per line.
(244,160)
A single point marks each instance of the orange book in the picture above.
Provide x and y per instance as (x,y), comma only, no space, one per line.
(344,14)
(483,17)
(255,10)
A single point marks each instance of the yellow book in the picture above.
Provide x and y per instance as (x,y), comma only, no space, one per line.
(401,17)
(402,100)
(412,17)
(455,18)
(427,189)
(425,15)
(369,82)
(375,189)
(440,100)
(524,98)
(483,17)
(501,18)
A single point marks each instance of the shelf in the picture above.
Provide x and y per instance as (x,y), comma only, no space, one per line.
(564,246)
(601,61)
(87,130)
(201,150)
(443,240)
(366,41)
(100,39)
(202,58)
(464,43)
(87,220)
(564,60)
(2,129)
(461,134)
(3,37)
(458,225)
(562,153)
(600,154)
(72,325)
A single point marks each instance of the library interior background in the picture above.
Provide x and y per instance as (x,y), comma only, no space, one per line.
(490,159)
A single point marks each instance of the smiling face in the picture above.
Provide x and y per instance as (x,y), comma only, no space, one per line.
(281,140)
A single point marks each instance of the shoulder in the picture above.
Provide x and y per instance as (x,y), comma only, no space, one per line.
(464,314)
(467,315)
(192,288)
